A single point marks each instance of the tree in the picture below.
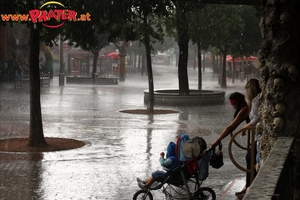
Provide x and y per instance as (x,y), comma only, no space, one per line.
(90,34)
(250,37)
(38,33)
(180,21)
(200,32)
(136,48)
(226,33)
(36,134)
(143,25)
(166,44)
(6,7)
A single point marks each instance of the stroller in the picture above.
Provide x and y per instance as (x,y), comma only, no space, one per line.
(185,181)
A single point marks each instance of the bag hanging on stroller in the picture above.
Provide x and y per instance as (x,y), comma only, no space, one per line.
(216,160)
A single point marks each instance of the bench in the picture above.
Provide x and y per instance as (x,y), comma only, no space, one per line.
(19,82)
(45,79)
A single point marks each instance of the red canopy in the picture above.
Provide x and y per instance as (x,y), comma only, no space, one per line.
(113,55)
(239,59)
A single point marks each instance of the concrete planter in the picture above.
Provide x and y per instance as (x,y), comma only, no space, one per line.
(89,80)
(196,97)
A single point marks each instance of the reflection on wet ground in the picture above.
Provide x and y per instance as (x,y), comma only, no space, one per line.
(121,146)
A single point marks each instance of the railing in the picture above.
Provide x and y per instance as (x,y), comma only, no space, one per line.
(274,179)
(250,140)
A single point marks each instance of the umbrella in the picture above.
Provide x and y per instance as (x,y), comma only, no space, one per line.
(238,59)
(113,55)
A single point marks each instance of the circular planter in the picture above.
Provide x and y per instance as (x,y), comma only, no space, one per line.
(195,97)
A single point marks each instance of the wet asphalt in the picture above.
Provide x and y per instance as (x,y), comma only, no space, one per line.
(119,146)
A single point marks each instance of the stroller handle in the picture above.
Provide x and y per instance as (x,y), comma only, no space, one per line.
(213,148)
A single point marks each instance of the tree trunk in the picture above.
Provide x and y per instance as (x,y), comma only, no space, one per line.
(204,61)
(279,80)
(214,62)
(150,105)
(199,67)
(183,43)
(95,60)
(233,69)
(223,80)
(3,38)
(122,72)
(36,134)
(195,57)
(134,60)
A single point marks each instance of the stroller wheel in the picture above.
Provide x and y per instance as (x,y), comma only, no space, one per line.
(206,193)
(141,194)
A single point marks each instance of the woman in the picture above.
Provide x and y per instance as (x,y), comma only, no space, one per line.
(252,90)
(238,102)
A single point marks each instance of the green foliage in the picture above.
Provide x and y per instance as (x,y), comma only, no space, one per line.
(250,38)
(225,27)
(233,28)
(142,18)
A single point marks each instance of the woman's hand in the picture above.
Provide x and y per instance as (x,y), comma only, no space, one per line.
(243,133)
(162,154)
(249,125)
(215,143)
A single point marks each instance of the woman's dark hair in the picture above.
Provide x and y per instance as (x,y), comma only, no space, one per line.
(238,99)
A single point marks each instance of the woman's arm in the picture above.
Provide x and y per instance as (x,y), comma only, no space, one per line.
(253,115)
(241,116)
(254,112)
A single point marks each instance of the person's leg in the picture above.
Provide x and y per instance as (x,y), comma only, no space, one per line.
(243,191)
(145,185)
(140,180)
(248,160)
(149,181)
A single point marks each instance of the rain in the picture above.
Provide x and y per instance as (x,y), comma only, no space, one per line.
(119,146)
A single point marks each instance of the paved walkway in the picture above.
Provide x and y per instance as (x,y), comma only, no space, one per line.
(119,147)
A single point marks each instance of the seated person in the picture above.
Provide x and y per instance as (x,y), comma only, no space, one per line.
(168,164)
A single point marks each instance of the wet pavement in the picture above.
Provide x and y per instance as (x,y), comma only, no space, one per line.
(119,147)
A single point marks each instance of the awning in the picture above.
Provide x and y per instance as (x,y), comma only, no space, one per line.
(239,59)
(113,55)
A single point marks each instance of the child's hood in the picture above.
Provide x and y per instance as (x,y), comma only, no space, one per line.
(171,149)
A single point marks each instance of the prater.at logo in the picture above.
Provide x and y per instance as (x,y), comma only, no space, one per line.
(51,14)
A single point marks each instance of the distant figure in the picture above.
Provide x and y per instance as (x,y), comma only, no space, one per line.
(5,70)
(42,65)
(14,68)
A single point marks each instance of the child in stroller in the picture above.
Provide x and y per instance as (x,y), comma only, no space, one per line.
(168,165)
(193,161)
